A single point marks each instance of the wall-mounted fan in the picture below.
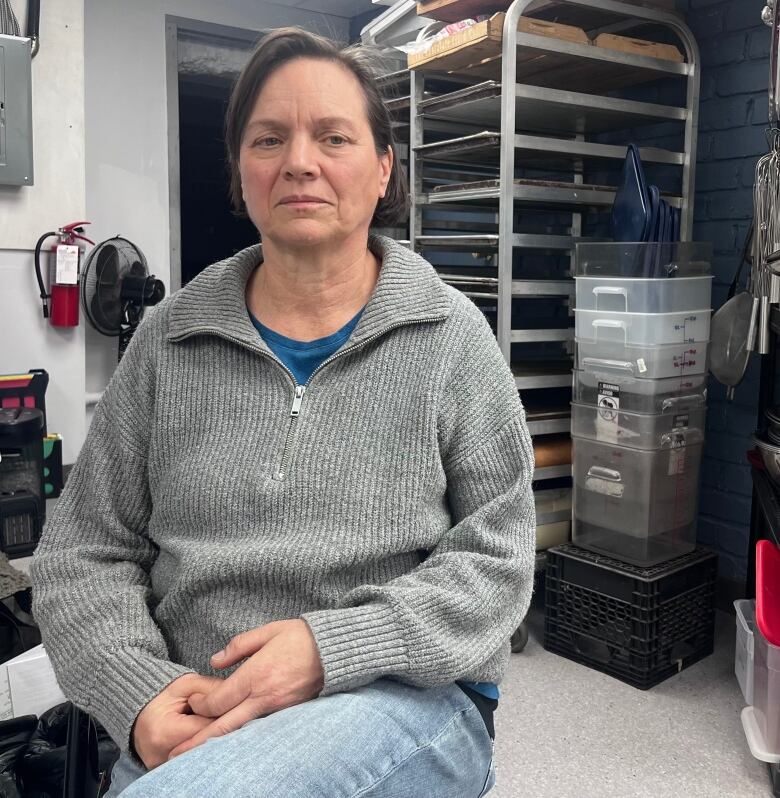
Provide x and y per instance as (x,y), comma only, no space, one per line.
(116,287)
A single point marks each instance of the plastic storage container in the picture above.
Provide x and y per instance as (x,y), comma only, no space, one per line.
(626,392)
(766,691)
(642,329)
(642,362)
(743,648)
(643,296)
(683,259)
(638,506)
(640,625)
(609,424)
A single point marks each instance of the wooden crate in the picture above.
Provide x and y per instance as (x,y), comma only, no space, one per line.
(624,44)
(456,10)
(481,43)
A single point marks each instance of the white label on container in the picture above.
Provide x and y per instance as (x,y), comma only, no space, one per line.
(609,396)
(67,268)
(640,364)
(607,426)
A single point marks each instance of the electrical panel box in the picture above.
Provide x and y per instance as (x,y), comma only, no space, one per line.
(16,150)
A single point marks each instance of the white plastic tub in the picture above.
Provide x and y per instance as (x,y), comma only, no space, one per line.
(743,650)
(642,362)
(643,296)
(642,329)
(627,392)
(608,424)
(766,691)
(638,506)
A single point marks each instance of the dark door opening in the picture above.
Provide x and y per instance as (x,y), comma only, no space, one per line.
(209,230)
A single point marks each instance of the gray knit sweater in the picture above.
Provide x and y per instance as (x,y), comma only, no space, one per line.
(389,505)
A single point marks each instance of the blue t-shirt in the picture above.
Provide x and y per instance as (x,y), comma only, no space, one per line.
(303,358)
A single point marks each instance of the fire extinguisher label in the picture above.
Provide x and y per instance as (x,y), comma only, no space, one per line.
(67,269)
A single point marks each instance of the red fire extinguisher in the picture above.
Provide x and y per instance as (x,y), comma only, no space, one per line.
(61,302)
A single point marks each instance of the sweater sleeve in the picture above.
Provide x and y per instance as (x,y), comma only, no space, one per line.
(449,617)
(90,572)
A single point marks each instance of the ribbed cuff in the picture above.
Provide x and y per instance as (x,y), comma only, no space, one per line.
(358,645)
(128,680)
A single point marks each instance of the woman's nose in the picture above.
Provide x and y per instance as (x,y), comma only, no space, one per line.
(301,158)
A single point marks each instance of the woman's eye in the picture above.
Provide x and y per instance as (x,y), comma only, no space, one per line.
(267,141)
(336,140)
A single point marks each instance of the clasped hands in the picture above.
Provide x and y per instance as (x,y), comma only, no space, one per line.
(282,668)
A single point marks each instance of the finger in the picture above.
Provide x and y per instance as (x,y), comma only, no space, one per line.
(233,720)
(190,725)
(244,645)
(226,696)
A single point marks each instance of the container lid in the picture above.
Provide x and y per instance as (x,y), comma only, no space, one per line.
(768,590)
(643,260)
(19,425)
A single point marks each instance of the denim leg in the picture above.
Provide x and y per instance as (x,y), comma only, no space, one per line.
(124,773)
(384,740)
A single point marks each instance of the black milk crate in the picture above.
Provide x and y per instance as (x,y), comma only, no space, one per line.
(640,625)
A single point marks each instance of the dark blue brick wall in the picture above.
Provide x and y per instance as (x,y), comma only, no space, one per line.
(734,46)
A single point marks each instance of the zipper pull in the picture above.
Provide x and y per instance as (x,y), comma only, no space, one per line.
(300,390)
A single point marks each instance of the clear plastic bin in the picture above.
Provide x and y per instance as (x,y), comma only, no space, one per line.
(643,296)
(638,506)
(643,260)
(627,392)
(766,691)
(608,424)
(642,362)
(743,648)
(642,329)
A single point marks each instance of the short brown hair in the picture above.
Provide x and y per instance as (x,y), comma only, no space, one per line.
(287,44)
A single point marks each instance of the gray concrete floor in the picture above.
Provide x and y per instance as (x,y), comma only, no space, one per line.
(567,731)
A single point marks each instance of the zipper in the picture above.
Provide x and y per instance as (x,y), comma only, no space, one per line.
(300,390)
(295,411)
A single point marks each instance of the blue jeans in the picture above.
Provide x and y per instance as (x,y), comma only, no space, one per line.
(384,740)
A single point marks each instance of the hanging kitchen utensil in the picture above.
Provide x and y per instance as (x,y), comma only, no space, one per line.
(733,328)
(764,283)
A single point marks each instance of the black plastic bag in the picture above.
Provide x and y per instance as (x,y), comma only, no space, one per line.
(14,736)
(39,757)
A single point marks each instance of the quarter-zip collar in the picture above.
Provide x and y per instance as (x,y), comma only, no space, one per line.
(214,302)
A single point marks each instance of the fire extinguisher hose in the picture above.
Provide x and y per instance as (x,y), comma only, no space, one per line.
(45,296)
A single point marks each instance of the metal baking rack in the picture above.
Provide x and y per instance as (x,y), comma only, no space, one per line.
(535,121)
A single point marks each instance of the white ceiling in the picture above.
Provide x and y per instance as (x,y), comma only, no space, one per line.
(339,8)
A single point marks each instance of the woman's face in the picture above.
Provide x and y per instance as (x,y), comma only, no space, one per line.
(310,171)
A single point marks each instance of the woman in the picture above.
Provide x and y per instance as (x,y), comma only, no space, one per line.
(312,460)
